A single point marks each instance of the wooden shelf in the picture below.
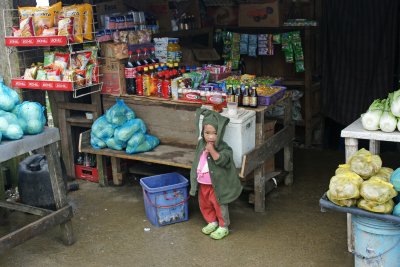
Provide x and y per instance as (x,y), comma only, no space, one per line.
(186,33)
(79,121)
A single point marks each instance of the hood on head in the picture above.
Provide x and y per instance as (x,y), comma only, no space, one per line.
(212,118)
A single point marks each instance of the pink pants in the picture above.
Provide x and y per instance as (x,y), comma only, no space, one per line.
(211,210)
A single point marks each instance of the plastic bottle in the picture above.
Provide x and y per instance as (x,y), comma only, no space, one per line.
(170,52)
(146,81)
(139,81)
(178,52)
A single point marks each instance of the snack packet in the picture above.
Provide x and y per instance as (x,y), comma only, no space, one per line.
(89,74)
(26,12)
(81,60)
(87,21)
(75,11)
(41,75)
(43,18)
(54,75)
(61,61)
(48,59)
(80,77)
(50,32)
(30,73)
(16,32)
(69,76)
(66,28)
(26,27)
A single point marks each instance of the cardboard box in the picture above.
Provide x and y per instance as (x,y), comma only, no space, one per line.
(108,8)
(114,50)
(268,14)
(223,15)
(113,77)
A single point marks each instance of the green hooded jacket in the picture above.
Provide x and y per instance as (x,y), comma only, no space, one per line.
(224,177)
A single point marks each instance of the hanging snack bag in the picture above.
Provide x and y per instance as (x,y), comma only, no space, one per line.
(75,11)
(66,28)
(43,18)
(87,21)
(30,73)
(41,75)
(26,27)
(61,61)
(69,76)
(50,32)
(57,7)
(26,12)
(80,77)
(89,74)
(81,60)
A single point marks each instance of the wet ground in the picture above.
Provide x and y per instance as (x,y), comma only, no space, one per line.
(111,229)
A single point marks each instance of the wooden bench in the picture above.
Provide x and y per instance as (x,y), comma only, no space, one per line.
(173,123)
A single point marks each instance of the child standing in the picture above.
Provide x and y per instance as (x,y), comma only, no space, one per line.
(214,174)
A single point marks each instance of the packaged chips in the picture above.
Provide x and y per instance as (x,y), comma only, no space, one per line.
(66,28)
(75,11)
(87,21)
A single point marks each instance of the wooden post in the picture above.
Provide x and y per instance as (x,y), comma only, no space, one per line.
(102,170)
(259,174)
(288,148)
(117,172)
(57,184)
(351,148)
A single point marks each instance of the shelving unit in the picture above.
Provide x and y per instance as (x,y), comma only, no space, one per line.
(275,65)
(69,107)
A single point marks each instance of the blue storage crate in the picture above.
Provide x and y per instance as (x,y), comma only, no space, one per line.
(165,198)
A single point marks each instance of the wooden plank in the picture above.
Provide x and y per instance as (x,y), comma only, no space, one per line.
(259,178)
(288,148)
(181,157)
(59,191)
(77,106)
(266,150)
(11,149)
(355,130)
(35,228)
(270,184)
(24,208)
(79,120)
(102,170)
(117,173)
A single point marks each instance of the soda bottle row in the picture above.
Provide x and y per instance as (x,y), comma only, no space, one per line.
(244,96)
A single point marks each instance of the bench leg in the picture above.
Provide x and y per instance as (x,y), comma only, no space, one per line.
(59,191)
(101,169)
(117,172)
(288,163)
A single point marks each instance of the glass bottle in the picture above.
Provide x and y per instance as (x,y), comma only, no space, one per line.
(246,97)
(253,97)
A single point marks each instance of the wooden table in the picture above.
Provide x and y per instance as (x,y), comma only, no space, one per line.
(173,123)
(352,133)
(62,216)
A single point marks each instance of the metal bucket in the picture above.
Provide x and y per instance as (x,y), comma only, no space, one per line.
(376,242)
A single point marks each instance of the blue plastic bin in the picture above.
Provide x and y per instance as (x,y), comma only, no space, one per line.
(165,198)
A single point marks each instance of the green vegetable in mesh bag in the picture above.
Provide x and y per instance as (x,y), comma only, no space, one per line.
(149,144)
(102,129)
(384,173)
(365,164)
(372,206)
(13,132)
(8,97)
(345,186)
(136,140)
(342,168)
(343,202)
(115,144)
(377,190)
(31,117)
(119,113)
(97,143)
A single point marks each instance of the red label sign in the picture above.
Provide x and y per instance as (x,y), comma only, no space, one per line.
(42,85)
(37,41)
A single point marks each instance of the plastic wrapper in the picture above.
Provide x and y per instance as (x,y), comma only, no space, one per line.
(123,36)
(384,173)
(26,28)
(43,18)
(89,74)
(119,113)
(149,144)
(8,97)
(364,163)
(372,206)
(126,131)
(41,75)
(133,37)
(61,61)
(80,60)
(136,139)
(87,22)
(48,59)
(30,73)
(31,117)
(115,144)
(66,28)
(396,209)
(13,132)
(377,190)
(395,179)
(77,12)
(345,186)
(69,76)
(102,129)
(96,142)
(26,12)
(342,168)
(80,78)
(344,202)
(54,75)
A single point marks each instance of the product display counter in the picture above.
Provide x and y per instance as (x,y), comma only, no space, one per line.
(173,123)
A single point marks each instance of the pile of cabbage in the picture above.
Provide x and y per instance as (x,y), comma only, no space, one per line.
(119,129)
(18,119)
(383,114)
(362,181)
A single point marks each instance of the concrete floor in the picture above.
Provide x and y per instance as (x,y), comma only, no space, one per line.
(110,223)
